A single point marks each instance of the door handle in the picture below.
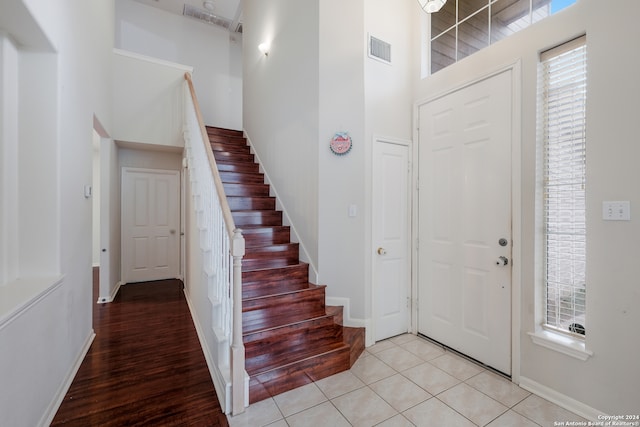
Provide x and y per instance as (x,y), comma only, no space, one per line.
(382,251)
(502,260)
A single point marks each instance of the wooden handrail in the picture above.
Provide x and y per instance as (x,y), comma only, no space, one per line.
(226,211)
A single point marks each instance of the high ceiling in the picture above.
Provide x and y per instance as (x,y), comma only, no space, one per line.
(227,10)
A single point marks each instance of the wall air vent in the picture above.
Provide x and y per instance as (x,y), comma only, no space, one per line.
(379,50)
(203,15)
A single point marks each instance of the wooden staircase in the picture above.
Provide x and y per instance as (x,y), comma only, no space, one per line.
(291,338)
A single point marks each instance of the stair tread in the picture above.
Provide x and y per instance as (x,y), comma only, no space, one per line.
(296,357)
(310,287)
(257,228)
(223,130)
(241,177)
(255,335)
(287,268)
(230,146)
(267,264)
(280,288)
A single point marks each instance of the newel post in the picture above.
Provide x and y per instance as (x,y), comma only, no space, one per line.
(237,345)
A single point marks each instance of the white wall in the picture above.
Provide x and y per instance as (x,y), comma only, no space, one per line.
(44,342)
(8,160)
(281,105)
(110,235)
(212,51)
(342,179)
(147,99)
(608,381)
(142,156)
(95,197)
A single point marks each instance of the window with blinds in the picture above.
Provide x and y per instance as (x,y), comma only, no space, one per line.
(563,95)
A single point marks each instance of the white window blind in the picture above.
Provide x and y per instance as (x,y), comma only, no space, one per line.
(563,92)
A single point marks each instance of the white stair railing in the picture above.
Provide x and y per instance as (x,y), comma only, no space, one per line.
(222,246)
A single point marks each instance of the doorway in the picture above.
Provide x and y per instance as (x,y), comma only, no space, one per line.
(150,224)
(465,214)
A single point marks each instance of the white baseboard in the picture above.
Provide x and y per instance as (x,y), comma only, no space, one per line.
(110,298)
(562,400)
(51,411)
(221,382)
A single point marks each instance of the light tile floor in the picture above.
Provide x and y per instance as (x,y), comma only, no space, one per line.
(402,382)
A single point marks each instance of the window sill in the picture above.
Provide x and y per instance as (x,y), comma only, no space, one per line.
(561,343)
(18,296)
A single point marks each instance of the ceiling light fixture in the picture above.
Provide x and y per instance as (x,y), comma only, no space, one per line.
(431,6)
(208,5)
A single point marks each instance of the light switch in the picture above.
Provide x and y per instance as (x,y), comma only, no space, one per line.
(353,211)
(616,211)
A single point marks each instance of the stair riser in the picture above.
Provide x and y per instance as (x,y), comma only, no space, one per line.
(224,166)
(277,339)
(251,203)
(257,218)
(285,347)
(260,264)
(245,178)
(278,381)
(230,147)
(212,130)
(233,157)
(272,236)
(228,139)
(287,250)
(297,273)
(275,288)
(246,189)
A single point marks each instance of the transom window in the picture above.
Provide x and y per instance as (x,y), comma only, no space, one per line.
(463,27)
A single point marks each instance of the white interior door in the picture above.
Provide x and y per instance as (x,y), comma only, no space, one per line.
(391,238)
(465,221)
(150,225)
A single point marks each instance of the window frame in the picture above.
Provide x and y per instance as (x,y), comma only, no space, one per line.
(546,335)
(562,121)
(523,21)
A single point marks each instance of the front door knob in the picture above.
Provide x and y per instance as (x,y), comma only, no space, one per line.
(382,251)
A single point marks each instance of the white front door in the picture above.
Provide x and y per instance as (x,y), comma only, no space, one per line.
(464,284)
(391,238)
(150,225)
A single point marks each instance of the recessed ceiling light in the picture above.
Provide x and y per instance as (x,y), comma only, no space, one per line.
(208,5)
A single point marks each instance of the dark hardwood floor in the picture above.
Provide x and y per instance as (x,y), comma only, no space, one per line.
(145,366)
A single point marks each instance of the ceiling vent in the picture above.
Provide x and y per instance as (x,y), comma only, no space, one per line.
(203,15)
(379,50)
